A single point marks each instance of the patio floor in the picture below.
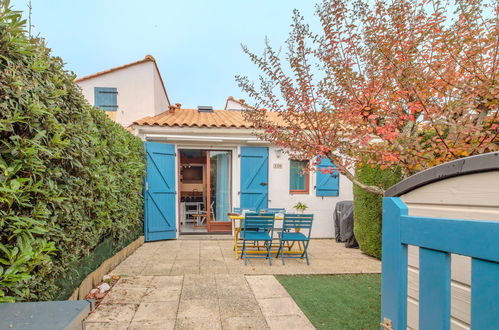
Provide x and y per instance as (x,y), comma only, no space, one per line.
(199,284)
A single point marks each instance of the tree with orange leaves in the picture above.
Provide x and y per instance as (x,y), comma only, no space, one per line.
(408,82)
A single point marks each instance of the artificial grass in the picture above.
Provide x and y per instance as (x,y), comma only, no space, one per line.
(337,301)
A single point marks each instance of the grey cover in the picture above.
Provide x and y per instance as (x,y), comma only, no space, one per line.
(45,315)
(343,224)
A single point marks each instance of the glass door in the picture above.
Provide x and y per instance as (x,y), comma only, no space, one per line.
(220,196)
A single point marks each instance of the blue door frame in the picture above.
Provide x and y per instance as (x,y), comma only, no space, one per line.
(437,238)
(159,192)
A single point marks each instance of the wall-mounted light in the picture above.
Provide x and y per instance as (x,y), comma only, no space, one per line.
(278,153)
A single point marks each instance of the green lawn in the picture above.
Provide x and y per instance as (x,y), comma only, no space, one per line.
(337,301)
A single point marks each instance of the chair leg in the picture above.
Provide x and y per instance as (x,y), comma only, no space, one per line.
(279,250)
(244,251)
(282,254)
(269,247)
(305,248)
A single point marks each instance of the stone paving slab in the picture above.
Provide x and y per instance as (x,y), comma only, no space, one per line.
(199,302)
(196,284)
(186,257)
(277,306)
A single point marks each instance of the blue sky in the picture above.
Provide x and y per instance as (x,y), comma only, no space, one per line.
(195,42)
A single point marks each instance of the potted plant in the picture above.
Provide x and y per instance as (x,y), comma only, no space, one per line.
(300,207)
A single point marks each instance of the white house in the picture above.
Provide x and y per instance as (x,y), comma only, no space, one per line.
(127,92)
(233,104)
(210,160)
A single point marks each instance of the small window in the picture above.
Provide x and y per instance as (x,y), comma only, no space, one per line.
(106,98)
(298,177)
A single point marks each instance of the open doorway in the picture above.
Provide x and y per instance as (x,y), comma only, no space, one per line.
(205,194)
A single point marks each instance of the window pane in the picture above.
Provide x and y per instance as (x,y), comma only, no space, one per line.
(297,179)
(220,184)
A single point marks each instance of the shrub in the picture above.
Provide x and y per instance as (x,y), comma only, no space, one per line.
(368,206)
(70,178)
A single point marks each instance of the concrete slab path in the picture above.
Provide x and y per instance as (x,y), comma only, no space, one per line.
(186,257)
(196,284)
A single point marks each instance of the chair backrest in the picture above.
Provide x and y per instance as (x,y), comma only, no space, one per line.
(273,210)
(298,221)
(239,210)
(259,221)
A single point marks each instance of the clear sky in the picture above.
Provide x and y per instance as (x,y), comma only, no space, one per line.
(196,43)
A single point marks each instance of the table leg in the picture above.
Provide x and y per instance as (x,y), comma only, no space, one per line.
(237,230)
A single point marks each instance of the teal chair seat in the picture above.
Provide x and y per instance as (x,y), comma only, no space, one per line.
(292,236)
(255,236)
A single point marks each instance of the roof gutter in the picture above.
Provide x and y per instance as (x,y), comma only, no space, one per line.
(200,138)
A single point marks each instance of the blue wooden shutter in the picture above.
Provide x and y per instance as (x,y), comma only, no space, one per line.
(327,184)
(106,98)
(160,220)
(254,177)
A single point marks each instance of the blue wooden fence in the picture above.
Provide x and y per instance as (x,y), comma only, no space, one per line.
(437,238)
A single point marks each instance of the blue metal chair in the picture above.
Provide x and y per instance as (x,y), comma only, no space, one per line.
(258,227)
(273,210)
(293,222)
(239,210)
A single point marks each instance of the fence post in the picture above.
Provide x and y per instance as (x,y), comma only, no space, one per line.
(484,294)
(394,265)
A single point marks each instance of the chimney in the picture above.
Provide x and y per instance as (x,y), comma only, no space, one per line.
(172,108)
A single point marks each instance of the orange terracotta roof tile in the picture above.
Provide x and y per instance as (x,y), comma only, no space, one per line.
(194,118)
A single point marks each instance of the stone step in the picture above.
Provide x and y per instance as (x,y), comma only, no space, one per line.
(208,237)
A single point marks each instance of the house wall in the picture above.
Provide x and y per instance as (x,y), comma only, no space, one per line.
(471,197)
(233,105)
(321,207)
(278,188)
(138,92)
(161,102)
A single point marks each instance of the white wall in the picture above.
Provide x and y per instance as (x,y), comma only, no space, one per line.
(233,105)
(138,90)
(161,102)
(321,207)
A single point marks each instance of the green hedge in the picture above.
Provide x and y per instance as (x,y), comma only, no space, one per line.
(70,178)
(368,207)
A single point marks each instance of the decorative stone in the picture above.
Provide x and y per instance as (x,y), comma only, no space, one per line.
(104,287)
(99,295)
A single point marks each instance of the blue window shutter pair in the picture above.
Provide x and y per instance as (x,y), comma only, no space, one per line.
(327,184)
(106,98)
